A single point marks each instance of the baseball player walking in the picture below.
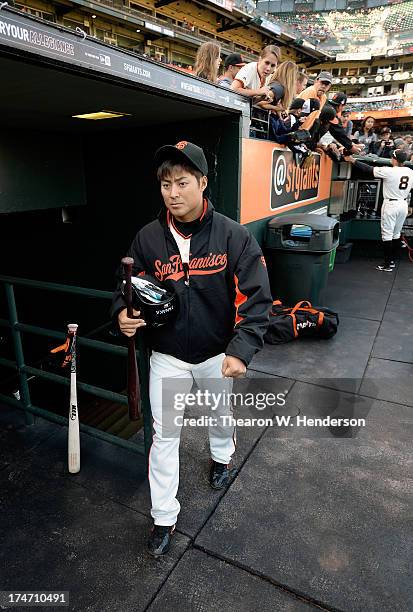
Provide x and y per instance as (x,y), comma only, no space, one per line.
(397,184)
(218,274)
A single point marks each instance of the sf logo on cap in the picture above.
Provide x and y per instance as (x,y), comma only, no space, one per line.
(181,145)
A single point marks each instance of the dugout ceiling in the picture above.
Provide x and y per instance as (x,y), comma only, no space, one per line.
(100,171)
(52,150)
(98,175)
(38,97)
(57,153)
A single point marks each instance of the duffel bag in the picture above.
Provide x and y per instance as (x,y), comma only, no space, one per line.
(301,321)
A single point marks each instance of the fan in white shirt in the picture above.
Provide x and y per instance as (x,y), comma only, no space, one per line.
(250,80)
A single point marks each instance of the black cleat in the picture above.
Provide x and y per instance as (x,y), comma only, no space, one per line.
(219,475)
(160,540)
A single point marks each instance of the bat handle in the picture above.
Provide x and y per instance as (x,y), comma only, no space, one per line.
(127,266)
(134,397)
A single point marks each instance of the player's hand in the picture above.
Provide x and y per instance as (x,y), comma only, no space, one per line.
(349,159)
(129,326)
(232,367)
(357,148)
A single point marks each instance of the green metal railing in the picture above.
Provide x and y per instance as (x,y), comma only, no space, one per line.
(23,370)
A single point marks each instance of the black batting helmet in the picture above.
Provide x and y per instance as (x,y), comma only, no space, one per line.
(156,303)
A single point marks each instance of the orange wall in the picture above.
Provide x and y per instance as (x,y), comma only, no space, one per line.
(271,183)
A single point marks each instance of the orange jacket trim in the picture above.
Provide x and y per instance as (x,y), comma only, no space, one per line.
(240,298)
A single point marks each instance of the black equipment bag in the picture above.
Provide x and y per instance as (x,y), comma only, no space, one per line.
(302,321)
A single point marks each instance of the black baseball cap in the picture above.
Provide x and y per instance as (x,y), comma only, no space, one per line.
(400,155)
(338,98)
(183,151)
(234,59)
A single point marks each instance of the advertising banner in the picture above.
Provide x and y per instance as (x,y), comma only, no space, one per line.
(272,183)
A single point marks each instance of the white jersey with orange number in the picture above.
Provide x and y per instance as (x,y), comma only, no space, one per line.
(397,182)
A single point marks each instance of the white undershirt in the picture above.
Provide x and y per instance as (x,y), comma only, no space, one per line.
(184,244)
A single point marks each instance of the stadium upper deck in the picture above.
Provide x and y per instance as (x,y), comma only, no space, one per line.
(171,32)
(377,30)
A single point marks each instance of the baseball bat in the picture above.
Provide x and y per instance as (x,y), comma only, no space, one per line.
(134,395)
(73,445)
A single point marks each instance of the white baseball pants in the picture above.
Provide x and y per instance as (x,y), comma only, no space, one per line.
(164,452)
(393,215)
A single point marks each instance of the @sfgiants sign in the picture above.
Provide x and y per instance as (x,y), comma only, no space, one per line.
(289,182)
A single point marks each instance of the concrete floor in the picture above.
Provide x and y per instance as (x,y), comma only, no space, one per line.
(314,519)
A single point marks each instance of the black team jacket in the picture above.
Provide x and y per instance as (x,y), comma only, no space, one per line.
(226,304)
(335,127)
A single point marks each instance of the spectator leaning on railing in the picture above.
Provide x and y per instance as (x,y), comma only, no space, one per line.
(330,121)
(283,84)
(251,79)
(316,92)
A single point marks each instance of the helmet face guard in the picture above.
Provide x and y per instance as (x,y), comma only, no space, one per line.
(157,304)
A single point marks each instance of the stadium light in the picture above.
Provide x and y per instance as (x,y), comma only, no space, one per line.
(345,81)
(353,80)
(362,80)
(379,78)
(387,77)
